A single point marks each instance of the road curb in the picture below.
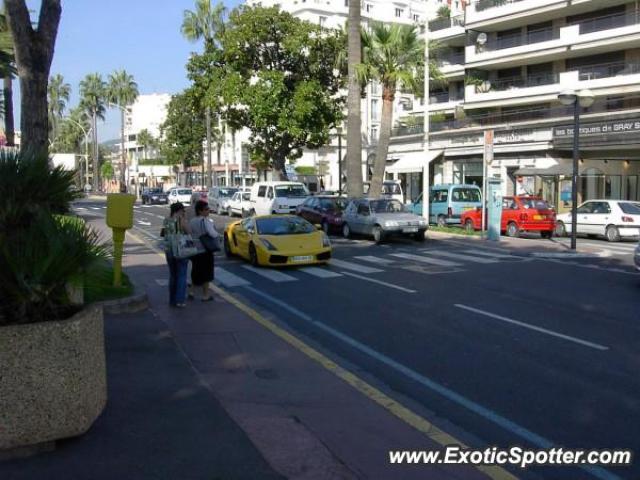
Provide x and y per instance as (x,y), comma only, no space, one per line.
(601,254)
(131,304)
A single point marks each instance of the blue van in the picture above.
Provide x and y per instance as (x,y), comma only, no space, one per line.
(448,201)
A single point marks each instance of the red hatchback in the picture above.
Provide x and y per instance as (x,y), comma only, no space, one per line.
(519,214)
(323,210)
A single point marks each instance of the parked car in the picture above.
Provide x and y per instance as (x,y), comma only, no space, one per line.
(390,189)
(154,195)
(381,218)
(447,202)
(178,194)
(613,219)
(239,204)
(323,210)
(198,195)
(219,197)
(277,240)
(269,198)
(519,214)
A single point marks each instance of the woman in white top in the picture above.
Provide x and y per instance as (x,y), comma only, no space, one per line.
(202,263)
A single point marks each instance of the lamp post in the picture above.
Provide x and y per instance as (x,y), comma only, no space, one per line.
(339,130)
(86,148)
(123,165)
(583,99)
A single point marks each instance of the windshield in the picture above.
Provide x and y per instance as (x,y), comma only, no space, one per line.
(465,195)
(184,192)
(333,204)
(630,208)
(155,190)
(386,206)
(391,189)
(227,192)
(535,203)
(283,226)
(290,191)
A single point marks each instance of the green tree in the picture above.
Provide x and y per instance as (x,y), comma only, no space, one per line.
(275,74)
(106,171)
(354,121)
(183,130)
(444,12)
(58,95)
(145,140)
(206,22)
(122,90)
(394,56)
(34,49)
(7,71)
(92,100)
(70,134)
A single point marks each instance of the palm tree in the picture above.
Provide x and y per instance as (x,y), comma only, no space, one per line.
(145,140)
(206,22)
(93,98)
(122,90)
(394,56)
(58,92)
(7,71)
(354,120)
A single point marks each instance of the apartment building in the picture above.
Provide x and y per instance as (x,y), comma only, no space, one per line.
(148,112)
(506,62)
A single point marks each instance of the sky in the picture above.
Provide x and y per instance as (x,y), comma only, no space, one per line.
(141,36)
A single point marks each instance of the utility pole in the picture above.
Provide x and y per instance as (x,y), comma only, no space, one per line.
(209,183)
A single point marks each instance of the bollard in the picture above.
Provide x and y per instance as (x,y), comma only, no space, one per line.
(120,219)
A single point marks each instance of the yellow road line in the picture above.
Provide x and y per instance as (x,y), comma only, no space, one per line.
(414,420)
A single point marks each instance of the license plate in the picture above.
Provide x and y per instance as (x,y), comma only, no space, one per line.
(538,217)
(409,230)
(302,258)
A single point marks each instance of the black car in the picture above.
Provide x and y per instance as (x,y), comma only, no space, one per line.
(154,195)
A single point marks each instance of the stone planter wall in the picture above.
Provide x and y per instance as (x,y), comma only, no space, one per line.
(52,379)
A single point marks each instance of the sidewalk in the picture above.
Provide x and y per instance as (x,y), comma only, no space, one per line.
(209,392)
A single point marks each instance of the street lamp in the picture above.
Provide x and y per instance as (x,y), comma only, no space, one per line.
(86,148)
(584,99)
(339,131)
(123,167)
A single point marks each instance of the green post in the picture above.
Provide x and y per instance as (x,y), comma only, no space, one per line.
(118,245)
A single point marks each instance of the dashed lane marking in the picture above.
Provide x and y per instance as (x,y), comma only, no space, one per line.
(229,279)
(379,282)
(273,275)
(319,272)
(376,260)
(429,260)
(460,256)
(353,266)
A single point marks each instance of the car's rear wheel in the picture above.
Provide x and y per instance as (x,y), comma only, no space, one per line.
(513,230)
(346,231)
(419,237)
(378,234)
(546,234)
(229,212)
(227,247)
(560,230)
(468,225)
(612,233)
(442,221)
(253,255)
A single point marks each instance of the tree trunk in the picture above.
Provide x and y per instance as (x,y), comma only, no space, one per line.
(354,121)
(9,128)
(123,164)
(34,54)
(278,167)
(380,162)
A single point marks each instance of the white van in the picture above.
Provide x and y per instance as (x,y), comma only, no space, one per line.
(268,198)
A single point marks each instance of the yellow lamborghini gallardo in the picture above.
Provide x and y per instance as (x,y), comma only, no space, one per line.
(276,241)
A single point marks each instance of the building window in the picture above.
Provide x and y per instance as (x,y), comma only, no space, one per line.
(322,21)
(374,109)
(346,3)
(374,134)
(399,12)
(369,7)
(416,17)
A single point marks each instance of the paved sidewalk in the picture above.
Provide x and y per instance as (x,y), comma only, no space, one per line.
(207,392)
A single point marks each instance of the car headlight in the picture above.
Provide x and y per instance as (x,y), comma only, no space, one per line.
(422,223)
(325,241)
(390,224)
(268,244)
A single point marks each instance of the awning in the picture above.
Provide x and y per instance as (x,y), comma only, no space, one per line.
(413,163)
(554,170)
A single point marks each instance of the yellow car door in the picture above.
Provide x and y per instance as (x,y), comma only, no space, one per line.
(242,236)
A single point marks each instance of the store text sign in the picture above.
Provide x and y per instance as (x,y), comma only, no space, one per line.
(621,126)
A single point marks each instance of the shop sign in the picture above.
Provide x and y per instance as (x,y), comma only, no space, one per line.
(604,128)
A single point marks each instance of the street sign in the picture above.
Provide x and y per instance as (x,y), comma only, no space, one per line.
(487,158)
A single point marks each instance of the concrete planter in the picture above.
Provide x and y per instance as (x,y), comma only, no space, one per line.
(53,381)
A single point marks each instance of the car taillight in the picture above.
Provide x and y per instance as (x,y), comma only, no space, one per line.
(449,212)
(627,219)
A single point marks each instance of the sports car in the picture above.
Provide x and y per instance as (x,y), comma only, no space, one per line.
(277,240)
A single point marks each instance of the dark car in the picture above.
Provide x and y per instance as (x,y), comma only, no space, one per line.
(323,210)
(154,195)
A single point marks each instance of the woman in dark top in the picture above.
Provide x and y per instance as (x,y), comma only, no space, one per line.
(202,263)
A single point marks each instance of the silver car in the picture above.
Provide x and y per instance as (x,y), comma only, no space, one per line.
(381,218)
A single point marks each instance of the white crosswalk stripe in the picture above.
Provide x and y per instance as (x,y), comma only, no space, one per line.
(229,279)
(376,260)
(353,266)
(459,256)
(487,253)
(429,260)
(273,275)
(94,208)
(320,272)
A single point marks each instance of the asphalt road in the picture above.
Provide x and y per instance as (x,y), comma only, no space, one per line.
(514,349)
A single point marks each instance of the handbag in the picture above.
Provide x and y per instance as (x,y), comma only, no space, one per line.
(183,246)
(210,244)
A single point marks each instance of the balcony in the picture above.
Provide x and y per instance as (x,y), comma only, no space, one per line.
(530,81)
(444,23)
(496,13)
(407,130)
(511,41)
(608,22)
(607,70)
(482,5)
(450,59)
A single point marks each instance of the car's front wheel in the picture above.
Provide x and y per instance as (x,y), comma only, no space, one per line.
(612,233)
(378,234)
(419,237)
(560,230)
(346,231)
(253,255)
(468,225)
(229,212)
(546,234)
(513,230)
(442,221)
